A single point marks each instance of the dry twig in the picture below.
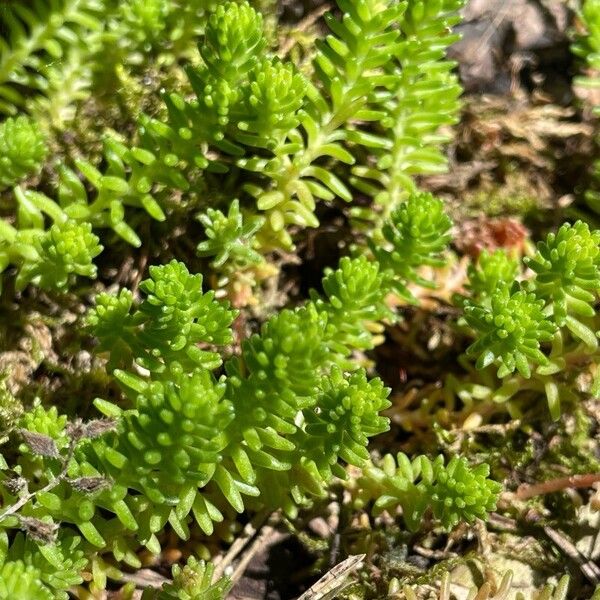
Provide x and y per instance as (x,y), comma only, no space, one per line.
(588,567)
(240,543)
(526,491)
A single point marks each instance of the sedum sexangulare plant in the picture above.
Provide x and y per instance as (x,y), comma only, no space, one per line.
(221,401)
(538,328)
(199,435)
(292,133)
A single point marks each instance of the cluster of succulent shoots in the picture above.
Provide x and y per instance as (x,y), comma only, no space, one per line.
(252,112)
(199,437)
(535,320)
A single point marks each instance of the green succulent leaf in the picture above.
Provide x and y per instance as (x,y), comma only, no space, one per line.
(65,250)
(230,238)
(453,492)
(193,581)
(567,268)
(510,331)
(23,149)
(493,270)
(416,234)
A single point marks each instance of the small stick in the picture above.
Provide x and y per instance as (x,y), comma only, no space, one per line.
(525,491)
(501,522)
(144,578)
(434,554)
(588,567)
(265,533)
(23,500)
(334,579)
(238,545)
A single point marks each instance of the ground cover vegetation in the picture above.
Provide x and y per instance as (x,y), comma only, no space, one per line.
(248,309)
